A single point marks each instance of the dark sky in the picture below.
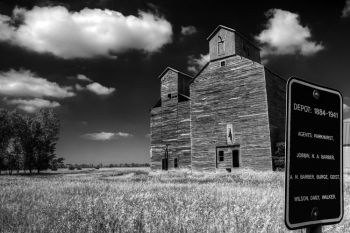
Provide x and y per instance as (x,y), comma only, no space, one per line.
(48,48)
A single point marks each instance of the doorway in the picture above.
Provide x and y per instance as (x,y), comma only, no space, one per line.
(235,157)
(164,164)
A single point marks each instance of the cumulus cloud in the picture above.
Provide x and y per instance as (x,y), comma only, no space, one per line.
(79,87)
(24,83)
(83,78)
(32,105)
(346,108)
(188,30)
(106,136)
(284,34)
(99,89)
(84,34)
(196,63)
(346,10)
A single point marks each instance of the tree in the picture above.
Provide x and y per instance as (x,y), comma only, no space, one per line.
(45,130)
(15,155)
(5,136)
(22,128)
(57,163)
(28,141)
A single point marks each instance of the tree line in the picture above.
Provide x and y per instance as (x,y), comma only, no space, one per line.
(28,142)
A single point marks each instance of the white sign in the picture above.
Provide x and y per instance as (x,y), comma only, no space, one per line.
(229,134)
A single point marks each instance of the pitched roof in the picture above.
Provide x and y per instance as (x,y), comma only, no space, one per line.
(232,30)
(169,68)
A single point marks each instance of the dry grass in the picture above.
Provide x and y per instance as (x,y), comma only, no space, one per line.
(137,200)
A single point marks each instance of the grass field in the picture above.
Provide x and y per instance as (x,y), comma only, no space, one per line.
(138,200)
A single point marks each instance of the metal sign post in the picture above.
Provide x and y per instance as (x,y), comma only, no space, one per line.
(315,229)
(314,159)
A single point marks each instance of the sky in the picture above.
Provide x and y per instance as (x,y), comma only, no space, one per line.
(97,62)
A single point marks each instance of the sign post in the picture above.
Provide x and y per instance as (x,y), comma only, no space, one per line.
(314,159)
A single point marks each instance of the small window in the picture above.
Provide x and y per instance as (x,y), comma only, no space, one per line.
(221,156)
(223,63)
(169,96)
(174,96)
(175,163)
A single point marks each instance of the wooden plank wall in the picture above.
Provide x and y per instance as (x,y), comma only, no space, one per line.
(276,96)
(229,44)
(246,49)
(168,85)
(232,94)
(157,150)
(170,125)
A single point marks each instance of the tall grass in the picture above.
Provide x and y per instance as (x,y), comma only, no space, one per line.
(138,200)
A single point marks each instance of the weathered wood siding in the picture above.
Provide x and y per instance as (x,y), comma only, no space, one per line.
(183,152)
(234,44)
(276,98)
(170,123)
(157,150)
(229,44)
(184,85)
(233,94)
(246,49)
(168,86)
(227,163)
(170,128)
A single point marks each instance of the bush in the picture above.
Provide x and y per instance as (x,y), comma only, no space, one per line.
(78,167)
(71,167)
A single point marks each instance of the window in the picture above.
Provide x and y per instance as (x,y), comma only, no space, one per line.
(169,96)
(175,163)
(221,48)
(221,156)
(223,63)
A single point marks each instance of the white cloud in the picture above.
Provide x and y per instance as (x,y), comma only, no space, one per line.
(346,10)
(84,34)
(188,30)
(6,31)
(32,105)
(79,87)
(195,64)
(24,83)
(99,89)
(106,136)
(346,108)
(285,35)
(83,78)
